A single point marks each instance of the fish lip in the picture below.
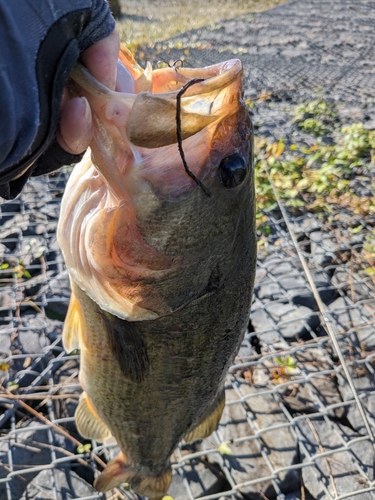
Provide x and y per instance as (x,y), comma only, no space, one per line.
(214,77)
(203,94)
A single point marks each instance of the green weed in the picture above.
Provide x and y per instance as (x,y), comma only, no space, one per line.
(314,178)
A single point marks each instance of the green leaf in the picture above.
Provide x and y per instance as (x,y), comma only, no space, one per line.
(369,247)
(355,230)
(370,271)
(83,448)
(291,362)
(12,386)
(224,449)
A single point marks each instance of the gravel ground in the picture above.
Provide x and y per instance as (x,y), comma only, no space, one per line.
(154,20)
(291,428)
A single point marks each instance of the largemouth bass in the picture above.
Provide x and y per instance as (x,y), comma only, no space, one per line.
(157,231)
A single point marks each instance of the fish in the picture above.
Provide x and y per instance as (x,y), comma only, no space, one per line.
(157,230)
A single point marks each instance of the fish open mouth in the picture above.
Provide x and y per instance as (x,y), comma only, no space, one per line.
(143,93)
(153,111)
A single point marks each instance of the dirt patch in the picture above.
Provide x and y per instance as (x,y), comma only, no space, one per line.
(148,21)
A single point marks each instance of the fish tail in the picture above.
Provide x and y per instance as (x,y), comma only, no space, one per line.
(209,422)
(118,472)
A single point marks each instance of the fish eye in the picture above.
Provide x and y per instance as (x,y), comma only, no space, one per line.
(233,170)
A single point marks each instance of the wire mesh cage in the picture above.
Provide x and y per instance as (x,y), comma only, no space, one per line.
(292,427)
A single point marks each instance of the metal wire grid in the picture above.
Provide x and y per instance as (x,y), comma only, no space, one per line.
(35,372)
(263,398)
(301,44)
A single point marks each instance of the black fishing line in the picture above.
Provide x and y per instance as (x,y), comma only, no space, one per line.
(206,191)
(177,66)
(173,65)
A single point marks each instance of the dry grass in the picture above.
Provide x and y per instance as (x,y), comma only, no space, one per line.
(148,21)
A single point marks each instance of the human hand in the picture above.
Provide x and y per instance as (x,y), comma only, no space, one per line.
(76,129)
(39,49)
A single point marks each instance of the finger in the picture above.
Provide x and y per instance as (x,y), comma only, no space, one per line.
(76,129)
(101,59)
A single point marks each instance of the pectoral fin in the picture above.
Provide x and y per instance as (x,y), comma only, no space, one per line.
(72,326)
(88,422)
(209,423)
(118,472)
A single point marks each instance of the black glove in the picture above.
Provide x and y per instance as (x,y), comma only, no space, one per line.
(40,42)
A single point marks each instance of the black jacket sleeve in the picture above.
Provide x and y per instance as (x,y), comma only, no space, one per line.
(40,42)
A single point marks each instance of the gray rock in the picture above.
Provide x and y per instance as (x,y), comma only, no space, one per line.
(31,334)
(5,335)
(358,292)
(321,258)
(358,318)
(264,325)
(37,194)
(59,484)
(341,277)
(355,287)
(67,377)
(260,319)
(322,237)
(54,330)
(293,321)
(246,350)
(30,339)
(323,249)
(363,336)
(307,299)
(364,383)
(277,266)
(306,224)
(269,291)
(28,449)
(7,300)
(3,252)
(246,462)
(361,186)
(58,296)
(292,284)
(319,391)
(261,275)
(34,286)
(203,478)
(14,225)
(339,467)
(32,248)
(295,495)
